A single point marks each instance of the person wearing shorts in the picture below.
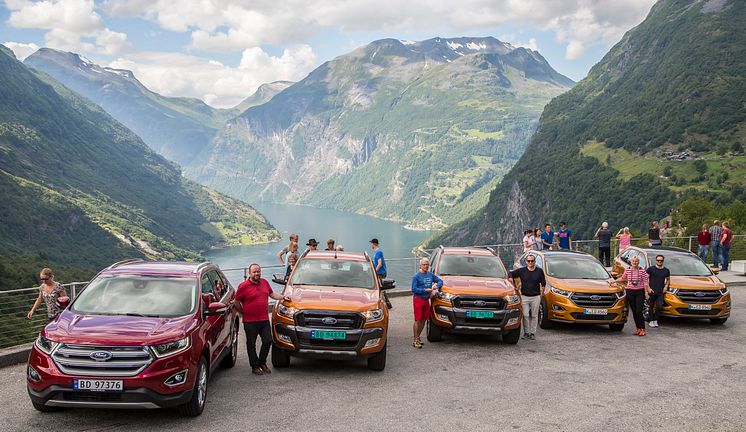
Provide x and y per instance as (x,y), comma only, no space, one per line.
(424,286)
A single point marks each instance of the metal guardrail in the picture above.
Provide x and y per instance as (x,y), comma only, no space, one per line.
(16,329)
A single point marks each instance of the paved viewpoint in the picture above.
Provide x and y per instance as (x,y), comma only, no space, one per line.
(682,376)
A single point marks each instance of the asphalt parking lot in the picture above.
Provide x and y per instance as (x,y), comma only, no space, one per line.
(683,376)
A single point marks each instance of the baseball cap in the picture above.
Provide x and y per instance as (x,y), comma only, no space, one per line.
(374,241)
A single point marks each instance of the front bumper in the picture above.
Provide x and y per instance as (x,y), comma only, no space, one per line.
(563,309)
(676,308)
(130,398)
(455,320)
(300,343)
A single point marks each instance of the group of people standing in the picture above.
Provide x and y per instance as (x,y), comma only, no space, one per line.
(537,239)
(717,239)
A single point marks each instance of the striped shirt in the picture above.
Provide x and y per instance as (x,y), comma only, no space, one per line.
(716,233)
(636,279)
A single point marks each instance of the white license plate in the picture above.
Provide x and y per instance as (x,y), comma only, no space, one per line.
(596,312)
(700,307)
(98,385)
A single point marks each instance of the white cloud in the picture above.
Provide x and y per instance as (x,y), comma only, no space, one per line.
(71,25)
(516,42)
(22,50)
(218,85)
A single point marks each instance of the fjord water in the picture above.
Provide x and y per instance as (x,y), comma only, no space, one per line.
(353,231)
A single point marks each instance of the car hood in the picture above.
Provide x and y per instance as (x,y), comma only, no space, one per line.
(703,283)
(331,298)
(112,330)
(476,285)
(584,285)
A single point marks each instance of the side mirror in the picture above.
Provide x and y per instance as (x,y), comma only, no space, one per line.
(279,279)
(63,302)
(216,308)
(388,284)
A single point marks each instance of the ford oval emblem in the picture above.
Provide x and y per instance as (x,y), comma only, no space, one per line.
(595,297)
(101,355)
(699,294)
(329,320)
(480,303)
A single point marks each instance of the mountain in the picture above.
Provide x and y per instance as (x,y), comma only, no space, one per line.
(263,94)
(659,121)
(177,128)
(81,189)
(413,131)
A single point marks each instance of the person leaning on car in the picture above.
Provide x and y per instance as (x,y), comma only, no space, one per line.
(252,300)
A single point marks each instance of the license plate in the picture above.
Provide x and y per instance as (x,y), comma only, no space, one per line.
(329,335)
(596,312)
(700,307)
(480,314)
(98,385)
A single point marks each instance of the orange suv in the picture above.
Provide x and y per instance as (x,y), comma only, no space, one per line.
(476,297)
(336,310)
(695,291)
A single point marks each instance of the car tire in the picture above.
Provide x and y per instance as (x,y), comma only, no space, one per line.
(434,333)
(544,321)
(378,361)
(230,360)
(280,357)
(617,327)
(512,336)
(718,321)
(43,408)
(197,402)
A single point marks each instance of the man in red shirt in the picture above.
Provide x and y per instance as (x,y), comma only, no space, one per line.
(253,296)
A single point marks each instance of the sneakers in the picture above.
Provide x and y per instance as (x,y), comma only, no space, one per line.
(653,323)
(417,343)
(532,336)
(525,336)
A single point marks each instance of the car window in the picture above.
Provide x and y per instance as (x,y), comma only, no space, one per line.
(680,264)
(539,261)
(206,283)
(471,265)
(575,267)
(218,284)
(334,272)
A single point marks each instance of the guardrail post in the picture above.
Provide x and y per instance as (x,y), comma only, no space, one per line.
(690,243)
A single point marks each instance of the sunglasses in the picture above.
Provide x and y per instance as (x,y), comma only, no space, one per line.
(530,261)
(659,260)
(46,278)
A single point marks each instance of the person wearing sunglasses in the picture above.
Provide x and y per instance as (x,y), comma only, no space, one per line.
(660,279)
(49,292)
(532,281)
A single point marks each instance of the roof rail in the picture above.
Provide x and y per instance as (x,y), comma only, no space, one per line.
(305,252)
(491,250)
(366,254)
(200,266)
(123,262)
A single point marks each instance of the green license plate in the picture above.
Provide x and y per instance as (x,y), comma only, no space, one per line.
(480,314)
(326,334)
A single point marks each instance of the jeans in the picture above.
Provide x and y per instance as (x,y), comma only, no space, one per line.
(715,248)
(604,255)
(656,304)
(703,251)
(531,305)
(263,330)
(724,256)
(636,301)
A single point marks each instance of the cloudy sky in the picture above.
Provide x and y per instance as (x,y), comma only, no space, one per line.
(221,50)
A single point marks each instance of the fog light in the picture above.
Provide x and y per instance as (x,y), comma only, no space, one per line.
(557,308)
(33,375)
(284,338)
(512,321)
(372,342)
(176,379)
(442,317)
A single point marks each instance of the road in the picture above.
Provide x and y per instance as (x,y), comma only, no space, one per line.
(684,376)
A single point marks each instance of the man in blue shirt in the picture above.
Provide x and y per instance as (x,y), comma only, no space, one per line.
(565,237)
(547,237)
(422,290)
(379,263)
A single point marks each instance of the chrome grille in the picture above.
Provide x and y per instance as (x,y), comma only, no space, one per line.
(123,362)
(329,319)
(479,302)
(694,296)
(594,300)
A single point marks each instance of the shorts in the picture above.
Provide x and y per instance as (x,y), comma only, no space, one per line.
(421,309)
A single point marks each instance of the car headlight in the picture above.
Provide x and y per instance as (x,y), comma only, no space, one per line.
(171,348)
(286,311)
(512,299)
(445,296)
(46,345)
(373,315)
(724,291)
(561,292)
(621,294)
(673,290)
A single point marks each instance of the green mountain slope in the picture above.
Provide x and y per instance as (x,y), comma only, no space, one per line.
(262,95)
(177,128)
(81,189)
(411,131)
(611,148)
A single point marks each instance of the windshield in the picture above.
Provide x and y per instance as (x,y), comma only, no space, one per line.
(684,265)
(575,267)
(471,265)
(138,295)
(332,272)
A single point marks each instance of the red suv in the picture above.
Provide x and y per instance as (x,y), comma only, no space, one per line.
(142,334)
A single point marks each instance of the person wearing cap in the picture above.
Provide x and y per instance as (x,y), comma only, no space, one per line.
(424,286)
(329,245)
(379,263)
(312,244)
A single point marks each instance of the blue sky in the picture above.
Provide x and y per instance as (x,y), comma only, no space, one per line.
(221,50)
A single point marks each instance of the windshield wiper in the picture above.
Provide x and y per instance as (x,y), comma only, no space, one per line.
(141,315)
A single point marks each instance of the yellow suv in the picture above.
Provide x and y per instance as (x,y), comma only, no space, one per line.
(336,310)
(580,290)
(476,297)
